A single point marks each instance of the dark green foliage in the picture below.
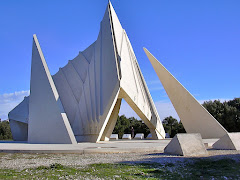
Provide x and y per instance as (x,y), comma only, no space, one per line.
(172,126)
(123,126)
(138,127)
(180,128)
(5,132)
(227,113)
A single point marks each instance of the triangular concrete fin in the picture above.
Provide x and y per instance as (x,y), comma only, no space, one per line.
(229,141)
(48,122)
(195,118)
(186,145)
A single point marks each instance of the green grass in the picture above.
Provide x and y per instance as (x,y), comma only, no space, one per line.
(195,169)
(217,169)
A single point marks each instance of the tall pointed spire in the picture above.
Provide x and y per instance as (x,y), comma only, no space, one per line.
(117,27)
(48,122)
(133,87)
(195,118)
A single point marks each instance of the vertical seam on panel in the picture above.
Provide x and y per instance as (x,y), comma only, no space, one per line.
(100,86)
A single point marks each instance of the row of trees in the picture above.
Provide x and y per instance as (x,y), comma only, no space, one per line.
(5,132)
(227,113)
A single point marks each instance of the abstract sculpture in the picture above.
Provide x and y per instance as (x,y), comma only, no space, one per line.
(195,118)
(81,101)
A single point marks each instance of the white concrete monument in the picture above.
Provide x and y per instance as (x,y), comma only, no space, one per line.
(81,101)
(195,118)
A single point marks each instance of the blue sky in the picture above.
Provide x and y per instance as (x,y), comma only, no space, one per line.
(197,41)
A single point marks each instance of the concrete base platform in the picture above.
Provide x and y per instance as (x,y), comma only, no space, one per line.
(186,145)
(120,146)
(231,141)
(86,148)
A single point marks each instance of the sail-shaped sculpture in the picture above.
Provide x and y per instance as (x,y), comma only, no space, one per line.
(195,118)
(47,119)
(89,89)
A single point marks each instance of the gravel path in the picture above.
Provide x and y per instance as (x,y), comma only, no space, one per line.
(23,161)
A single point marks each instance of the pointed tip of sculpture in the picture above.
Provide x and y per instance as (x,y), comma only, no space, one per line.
(34,36)
(145,50)
(35,40)
(150,56)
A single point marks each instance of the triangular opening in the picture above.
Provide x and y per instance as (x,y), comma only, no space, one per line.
(126,110)
(125,121)
(128,122)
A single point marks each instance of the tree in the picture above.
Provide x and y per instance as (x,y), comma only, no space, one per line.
(181,128)
(216,109)
(236,116)
(226,113)
(172,126)
(5,131)
(123,125)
